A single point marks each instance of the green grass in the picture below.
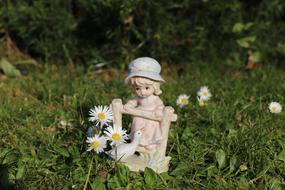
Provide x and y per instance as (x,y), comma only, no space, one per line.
(232,143)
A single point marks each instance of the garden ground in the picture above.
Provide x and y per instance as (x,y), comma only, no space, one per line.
(232,143)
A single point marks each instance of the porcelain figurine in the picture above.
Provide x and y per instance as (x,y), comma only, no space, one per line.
(150,117)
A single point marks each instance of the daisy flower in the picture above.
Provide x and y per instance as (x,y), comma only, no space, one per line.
(100,114)
(204,93)
(182,100)
(201,102)
(116,134)
(275,107)
(96,143)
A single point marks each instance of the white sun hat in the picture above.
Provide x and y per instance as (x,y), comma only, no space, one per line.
(144,67)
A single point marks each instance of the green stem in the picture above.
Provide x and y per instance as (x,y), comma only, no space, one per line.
(116,152)
(88,175)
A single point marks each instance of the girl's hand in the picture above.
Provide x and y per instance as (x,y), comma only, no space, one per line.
(127,108)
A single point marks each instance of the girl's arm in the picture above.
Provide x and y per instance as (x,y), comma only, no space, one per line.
(131,104)
(130,108)
(158,111)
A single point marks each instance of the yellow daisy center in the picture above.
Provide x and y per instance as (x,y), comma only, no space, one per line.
(116,136)
(184,100)
(101,116)
(201,103)
(274,108)
(95,144)
(205,93)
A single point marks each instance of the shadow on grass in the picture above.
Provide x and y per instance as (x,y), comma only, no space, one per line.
(5,184)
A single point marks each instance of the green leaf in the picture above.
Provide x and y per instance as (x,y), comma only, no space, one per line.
(98,184)
(281,48)
(243,183)
(282,143)
(274,184)
(229,125)
(181,169)
(62,151)
(9,69)
(232,133)
(256,56)
(250,38)
(233,163)
(221,158)
(212,170)
(281,156)
(20,172)
(243,43)
(113,183)
(246,41)
(10,157)
(73,150)
(238,27)
(3,153)
(165,176)
(150,177)
(248,25)
(123,174)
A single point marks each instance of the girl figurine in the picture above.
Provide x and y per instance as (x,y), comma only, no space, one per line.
(145,80)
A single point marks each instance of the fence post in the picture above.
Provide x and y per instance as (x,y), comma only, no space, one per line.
(165,124)
(117,114)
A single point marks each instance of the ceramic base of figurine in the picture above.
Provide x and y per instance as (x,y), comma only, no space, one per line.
(154,161)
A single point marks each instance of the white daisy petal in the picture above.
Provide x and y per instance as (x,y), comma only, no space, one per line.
(275,107)
(182,100)
(96,143)
(100,114)
(204,93)
(116,135)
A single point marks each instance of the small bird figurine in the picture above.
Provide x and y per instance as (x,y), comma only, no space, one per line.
(123,151)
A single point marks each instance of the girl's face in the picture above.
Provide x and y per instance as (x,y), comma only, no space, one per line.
(144,91)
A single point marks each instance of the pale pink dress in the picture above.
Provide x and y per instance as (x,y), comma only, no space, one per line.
(152,132)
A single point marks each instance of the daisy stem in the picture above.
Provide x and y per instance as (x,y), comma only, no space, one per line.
(101,127)
(88,175)
(116,152)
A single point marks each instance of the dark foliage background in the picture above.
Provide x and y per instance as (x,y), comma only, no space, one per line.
(95,31)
